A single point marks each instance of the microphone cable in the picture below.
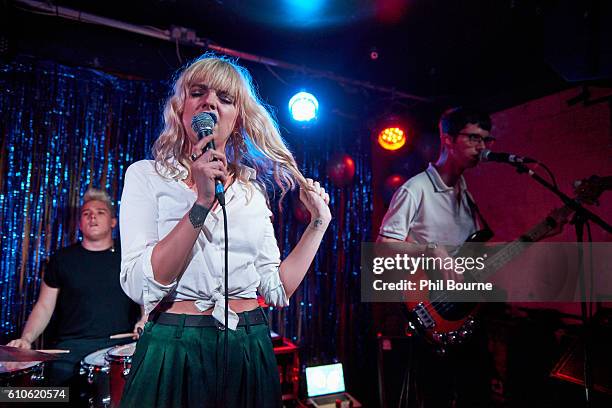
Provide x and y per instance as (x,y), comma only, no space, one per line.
(220,196)
(221,200)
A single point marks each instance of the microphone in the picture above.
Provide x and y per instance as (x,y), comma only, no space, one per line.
(487,155)
(203,124)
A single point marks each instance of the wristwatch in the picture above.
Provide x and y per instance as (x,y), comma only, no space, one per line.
(197,215)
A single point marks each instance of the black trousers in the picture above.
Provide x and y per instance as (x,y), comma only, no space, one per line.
(460,378)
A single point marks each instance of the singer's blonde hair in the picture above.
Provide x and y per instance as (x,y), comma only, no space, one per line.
(255,140)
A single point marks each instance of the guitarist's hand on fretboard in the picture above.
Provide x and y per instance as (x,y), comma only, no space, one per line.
(445,322)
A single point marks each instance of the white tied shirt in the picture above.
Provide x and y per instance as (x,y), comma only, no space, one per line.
(151,205)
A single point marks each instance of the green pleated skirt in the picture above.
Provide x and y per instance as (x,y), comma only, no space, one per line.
(177,366)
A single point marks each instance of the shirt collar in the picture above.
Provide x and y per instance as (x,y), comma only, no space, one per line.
(173,170)
(177,171)
(249,173)
(438,183)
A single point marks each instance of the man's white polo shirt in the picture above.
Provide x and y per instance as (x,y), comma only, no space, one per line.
(425,210)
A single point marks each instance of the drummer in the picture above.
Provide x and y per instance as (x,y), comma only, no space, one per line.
(81,302)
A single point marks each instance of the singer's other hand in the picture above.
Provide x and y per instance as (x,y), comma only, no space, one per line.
(316,201)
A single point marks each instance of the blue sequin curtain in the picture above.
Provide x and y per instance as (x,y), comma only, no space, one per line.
(327,318)
(66,128)
(63,129)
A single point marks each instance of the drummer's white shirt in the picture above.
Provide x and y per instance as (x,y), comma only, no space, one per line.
(151,205)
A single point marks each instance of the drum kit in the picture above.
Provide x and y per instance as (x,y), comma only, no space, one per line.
(103,373)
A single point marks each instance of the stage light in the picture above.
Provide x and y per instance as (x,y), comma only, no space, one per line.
(300,7)
(392,138)
(373,53)
(303,107)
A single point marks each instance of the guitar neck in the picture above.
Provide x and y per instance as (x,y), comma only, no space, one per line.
(514,248)
(588,190)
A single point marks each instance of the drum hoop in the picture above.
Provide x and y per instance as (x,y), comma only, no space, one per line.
(111,355)
(102,353)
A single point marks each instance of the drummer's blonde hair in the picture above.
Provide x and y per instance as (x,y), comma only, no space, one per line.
(99,195)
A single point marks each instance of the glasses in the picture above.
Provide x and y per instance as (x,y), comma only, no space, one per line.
(475,138)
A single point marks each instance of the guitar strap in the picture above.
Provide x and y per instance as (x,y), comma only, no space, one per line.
(476,212)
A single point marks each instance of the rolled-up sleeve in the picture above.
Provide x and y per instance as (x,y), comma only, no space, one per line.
(139,235)
(400,215)
(267,264)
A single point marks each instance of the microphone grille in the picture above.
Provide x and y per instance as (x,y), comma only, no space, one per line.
(203,122)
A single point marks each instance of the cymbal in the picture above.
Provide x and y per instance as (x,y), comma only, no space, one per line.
(12,367)
(8,353)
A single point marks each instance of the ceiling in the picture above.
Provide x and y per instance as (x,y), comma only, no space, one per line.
(494,53)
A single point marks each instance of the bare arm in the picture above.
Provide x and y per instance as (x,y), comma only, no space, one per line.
(387,239)
(170,255)
(294,267)
(417,250)
(409,248)
(39,318)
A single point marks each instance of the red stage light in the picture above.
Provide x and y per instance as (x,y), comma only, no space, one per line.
(392,138)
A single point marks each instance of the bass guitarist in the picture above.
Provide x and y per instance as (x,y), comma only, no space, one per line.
(434,209)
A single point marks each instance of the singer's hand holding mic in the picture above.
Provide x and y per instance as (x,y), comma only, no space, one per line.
(209,167)
(206,169)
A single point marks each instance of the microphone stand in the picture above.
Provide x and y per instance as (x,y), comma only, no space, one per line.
(581,217)
(579,222)
(568,201)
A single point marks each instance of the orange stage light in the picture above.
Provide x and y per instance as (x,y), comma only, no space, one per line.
(392,138)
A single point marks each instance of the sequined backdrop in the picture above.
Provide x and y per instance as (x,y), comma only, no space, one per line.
(65,128)
(62,129)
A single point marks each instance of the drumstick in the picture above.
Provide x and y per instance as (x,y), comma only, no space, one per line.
(53,351)
(121,336)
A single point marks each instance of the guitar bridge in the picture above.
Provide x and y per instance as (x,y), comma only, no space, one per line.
(423,316)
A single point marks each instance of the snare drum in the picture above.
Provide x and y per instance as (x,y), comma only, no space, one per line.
(95,374)
(21,374)
(120,359)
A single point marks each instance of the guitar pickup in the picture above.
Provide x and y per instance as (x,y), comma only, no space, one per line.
(424,317)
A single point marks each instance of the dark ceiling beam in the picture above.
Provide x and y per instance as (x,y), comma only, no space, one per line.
(188,37)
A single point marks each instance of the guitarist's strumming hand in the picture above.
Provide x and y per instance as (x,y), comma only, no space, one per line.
(445,273)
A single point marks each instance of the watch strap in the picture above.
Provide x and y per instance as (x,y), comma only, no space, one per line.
(197,215)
